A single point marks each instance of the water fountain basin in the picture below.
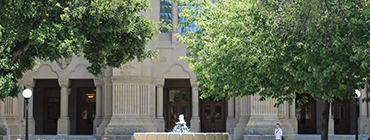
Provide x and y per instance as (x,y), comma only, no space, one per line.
(180,136)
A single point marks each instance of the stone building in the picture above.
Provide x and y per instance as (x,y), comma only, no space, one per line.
(68,101)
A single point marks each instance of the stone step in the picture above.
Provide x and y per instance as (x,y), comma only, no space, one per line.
(308,137)
(60,137)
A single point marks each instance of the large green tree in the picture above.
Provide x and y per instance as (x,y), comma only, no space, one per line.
(108,32)
(280,48)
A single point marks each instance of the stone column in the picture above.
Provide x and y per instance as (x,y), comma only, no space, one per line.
(30,83)
(293,118)
(230,122)
(98,116)
(230,108)
(195,120)
(159,101)
(63,122)
(363,105)
(159,104)
(331,120)
(363,119)
(106,106)
(242,113)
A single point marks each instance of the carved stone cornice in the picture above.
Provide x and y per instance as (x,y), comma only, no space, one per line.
(64,82)
(158,82)
(98,82)
(64,62)
(193,83)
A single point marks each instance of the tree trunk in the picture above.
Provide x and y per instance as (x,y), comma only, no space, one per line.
(325,120)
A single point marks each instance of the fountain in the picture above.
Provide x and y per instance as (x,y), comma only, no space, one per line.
(180,132)
(181,126)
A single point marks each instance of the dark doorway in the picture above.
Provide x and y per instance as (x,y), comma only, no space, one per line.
(213,115)
(340,112)
(51,110)
(307,116)
(85,110)
(179,102)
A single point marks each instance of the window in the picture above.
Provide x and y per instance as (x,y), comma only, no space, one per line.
(308,112)
(191,27)
(165,13)
(179,96)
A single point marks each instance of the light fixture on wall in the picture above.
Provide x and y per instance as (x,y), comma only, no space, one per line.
(90,95)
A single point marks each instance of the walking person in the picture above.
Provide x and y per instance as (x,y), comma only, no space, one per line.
(278,132)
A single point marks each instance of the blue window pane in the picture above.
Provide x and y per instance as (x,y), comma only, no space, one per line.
(165,13)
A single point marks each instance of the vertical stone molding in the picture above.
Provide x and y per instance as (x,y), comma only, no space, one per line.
(98,118)
(131,103)
(195,120)
(174,18)
(363,120)
(9,106)
(30,83)
(63,122)
(14,127)
(159,109)
(130,99)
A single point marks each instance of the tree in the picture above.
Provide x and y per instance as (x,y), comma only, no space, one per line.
(279,49)
(109,33)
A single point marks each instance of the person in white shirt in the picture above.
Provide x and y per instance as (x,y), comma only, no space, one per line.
(278,132)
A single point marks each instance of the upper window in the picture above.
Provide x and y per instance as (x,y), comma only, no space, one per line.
(165,13)
(191,27)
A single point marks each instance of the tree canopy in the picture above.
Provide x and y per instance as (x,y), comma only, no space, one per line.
(108,33)
(279,48)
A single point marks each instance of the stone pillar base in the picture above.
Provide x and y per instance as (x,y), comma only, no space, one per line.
(262,124)
(97,122)
(63,126)
(266,124)
(290,127)
(14,128)
(239,128)
(160,122)
(364,125)
(195,124)
(101,127)
(230,124)
(128,125)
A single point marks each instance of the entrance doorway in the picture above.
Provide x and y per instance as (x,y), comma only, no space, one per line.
(85,110)
(178,102)
(340,112)
(307,116)
(213,115)
(51,110)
